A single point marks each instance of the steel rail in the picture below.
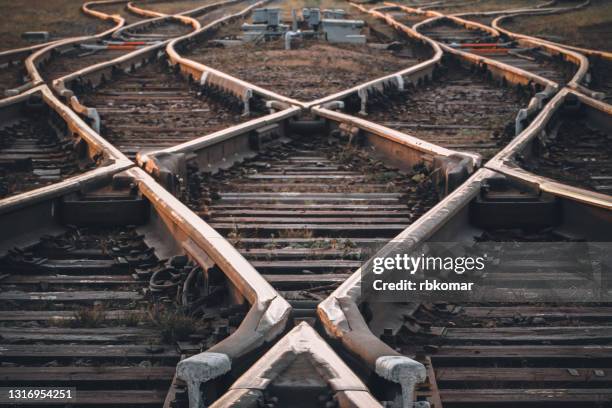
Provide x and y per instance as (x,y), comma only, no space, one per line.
(151,161)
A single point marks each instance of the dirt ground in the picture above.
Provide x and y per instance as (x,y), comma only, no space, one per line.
(590,27)
(315,70)
(62,18)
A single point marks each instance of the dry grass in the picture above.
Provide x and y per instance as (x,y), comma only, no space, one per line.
(173,7)
(88,318)
(486,5)
(62,18)
(296,233)
(590,27)
(174,325)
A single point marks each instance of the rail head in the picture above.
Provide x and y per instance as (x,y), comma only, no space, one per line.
(426,148)
(301,342)
(149,161)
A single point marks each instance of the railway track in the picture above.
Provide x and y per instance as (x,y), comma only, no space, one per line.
(36,147)
(164,109)
(135,299)
(11,76)
(460,109)
(496,354)
(325,67)
(526,56)
(500,354)
(599,61)
(101,303)
(76,56)
(308,213)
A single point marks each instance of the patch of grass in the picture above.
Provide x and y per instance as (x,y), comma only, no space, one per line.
(235,237)
(296,233)
(88,318)
(173,325)
(130,319)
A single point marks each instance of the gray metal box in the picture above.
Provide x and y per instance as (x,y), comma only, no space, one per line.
(343,31)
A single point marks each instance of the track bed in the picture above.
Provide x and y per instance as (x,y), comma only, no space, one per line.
(36,150)
(11,76)
(460,110)
(77,58)
(497,355)
(577,152)
(308,214)
(73,316)
(152,108)
(601,78)
(156,31)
